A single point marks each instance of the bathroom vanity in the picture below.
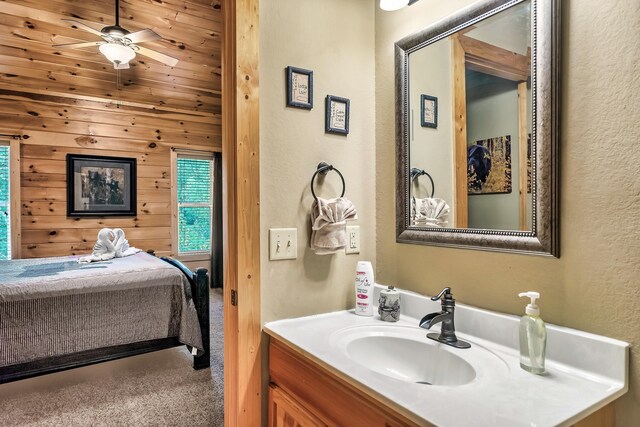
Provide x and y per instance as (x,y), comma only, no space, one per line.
(342,369)
(304,393)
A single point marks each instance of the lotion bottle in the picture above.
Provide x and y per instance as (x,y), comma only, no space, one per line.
(364,289)
(533,336)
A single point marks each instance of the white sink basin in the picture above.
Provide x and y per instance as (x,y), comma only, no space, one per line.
(406,354)
(409,360)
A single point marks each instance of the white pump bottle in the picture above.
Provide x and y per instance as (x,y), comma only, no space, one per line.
(364,288)
(533,336)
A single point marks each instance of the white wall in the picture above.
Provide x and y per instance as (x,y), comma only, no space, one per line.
(335,39)
(492,111)
(431,149)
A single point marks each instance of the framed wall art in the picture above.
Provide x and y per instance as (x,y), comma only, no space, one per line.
(337,115)
(101,186)
(489,166)
(299,88)
(428,111)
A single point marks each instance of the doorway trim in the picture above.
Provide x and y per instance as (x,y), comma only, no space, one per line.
(241,214)
(468,53)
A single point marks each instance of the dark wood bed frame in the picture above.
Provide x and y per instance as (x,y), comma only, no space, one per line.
(199,282)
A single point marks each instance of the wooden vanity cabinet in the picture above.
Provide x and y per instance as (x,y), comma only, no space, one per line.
(302,393)
(284,411)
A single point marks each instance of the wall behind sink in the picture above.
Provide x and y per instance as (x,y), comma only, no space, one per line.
(594,286)
(335,39)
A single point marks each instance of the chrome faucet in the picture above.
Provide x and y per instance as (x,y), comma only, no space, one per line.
(447,333)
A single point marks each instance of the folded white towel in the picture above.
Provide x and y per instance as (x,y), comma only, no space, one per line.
(110,244)
(328,224)
(122,244)
(429,212)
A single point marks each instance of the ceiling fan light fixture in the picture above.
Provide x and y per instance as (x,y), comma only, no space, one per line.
(117,53)
(390,5)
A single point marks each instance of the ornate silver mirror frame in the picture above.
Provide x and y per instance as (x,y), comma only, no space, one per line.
(545,67)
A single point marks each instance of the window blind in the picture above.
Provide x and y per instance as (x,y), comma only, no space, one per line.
(194,179)
(5,218)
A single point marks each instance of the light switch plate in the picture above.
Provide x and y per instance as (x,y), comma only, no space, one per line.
(283,243)
(353,239)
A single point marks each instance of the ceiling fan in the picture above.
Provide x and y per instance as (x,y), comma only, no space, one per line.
(119,45)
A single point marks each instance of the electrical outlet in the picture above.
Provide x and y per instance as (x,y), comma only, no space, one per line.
(283,243)
(353,239)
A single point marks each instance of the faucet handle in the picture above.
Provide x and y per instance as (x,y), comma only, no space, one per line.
(446,292)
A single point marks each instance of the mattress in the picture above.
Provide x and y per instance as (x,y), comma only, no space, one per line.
(56,306)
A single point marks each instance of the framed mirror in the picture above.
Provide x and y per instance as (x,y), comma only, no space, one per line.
(477,129)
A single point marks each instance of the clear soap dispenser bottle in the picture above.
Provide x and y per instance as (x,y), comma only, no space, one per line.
(533,336)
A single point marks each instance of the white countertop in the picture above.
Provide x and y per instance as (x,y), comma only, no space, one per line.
(584,371)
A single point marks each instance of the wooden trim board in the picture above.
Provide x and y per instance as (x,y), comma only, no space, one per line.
(174,204)
(493,60)
(522,154)
(15,205)
(461,213)
(230,245)
(241,214)
(14,191)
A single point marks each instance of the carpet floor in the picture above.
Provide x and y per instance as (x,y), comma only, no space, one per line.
(154,389)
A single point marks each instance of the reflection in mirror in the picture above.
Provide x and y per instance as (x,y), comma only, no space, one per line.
(470,121)
(477,129)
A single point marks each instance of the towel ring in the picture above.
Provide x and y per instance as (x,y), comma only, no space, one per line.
(417,173)
(322,169)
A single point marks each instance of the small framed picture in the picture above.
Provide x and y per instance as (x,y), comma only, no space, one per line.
(428,111)
(299,88)
(101,186)
(337,115)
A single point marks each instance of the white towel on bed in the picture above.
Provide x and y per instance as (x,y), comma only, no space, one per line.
(110,244)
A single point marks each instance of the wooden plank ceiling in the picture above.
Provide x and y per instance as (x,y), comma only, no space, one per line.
(191,31)
(66,101)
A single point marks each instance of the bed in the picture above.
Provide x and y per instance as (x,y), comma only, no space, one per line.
(57,314)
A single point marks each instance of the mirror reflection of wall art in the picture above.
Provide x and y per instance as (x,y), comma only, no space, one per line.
(101,186)
(428,111)
(337,115)
(299,88)
(489,166)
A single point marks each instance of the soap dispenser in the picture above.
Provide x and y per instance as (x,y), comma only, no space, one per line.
(533,336)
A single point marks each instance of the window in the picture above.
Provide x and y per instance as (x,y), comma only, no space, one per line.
(5,200)
(194,176)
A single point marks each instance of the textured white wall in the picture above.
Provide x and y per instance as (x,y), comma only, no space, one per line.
(595,285)
(335,39)
(432,149)
(492,111)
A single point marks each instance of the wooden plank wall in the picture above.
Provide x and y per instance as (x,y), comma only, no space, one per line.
(67,102)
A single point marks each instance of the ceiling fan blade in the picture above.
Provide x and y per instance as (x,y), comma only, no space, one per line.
(146,35)
(160,57)
(79,45)
(85,27)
